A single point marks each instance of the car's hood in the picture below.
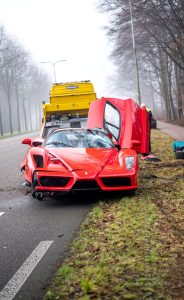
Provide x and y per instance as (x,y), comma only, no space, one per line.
(88,159)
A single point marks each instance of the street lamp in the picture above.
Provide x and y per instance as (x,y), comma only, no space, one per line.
(53,64)
(135,54)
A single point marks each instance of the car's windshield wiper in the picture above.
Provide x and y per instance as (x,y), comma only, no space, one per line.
(59,143)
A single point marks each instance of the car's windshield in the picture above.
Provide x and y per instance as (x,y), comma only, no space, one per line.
(78,139)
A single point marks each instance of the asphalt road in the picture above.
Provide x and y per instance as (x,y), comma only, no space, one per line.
(176,132)
(34,236)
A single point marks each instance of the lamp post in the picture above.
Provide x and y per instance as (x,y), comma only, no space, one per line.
(135,54)
(53,64)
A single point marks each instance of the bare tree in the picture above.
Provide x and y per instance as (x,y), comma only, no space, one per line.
(159,36)
(22,85)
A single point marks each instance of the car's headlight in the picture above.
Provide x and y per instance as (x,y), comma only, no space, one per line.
(129,162)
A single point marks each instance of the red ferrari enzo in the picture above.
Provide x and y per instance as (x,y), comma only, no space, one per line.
(102,157)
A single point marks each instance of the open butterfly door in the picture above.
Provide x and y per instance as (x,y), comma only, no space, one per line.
(124,120)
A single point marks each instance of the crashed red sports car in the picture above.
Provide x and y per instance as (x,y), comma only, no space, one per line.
(102,157)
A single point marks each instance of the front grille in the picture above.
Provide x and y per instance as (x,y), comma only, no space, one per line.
(116,181)
(54,181)
(85,185)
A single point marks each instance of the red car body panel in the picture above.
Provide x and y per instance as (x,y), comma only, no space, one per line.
(67,169)
(82,164)
(134,122)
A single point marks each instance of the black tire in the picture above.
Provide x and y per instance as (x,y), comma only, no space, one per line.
(179,154)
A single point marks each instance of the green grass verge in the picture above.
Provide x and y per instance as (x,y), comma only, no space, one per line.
(131,248)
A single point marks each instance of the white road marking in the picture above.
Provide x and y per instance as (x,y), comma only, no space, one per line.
(1,213)
(13,286)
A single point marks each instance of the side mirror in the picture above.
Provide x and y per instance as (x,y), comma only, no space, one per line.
(27,142)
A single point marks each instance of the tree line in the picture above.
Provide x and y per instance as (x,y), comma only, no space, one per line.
(23,86)
(159,40)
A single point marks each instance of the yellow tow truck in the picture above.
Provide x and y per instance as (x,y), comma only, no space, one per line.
(68,106)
